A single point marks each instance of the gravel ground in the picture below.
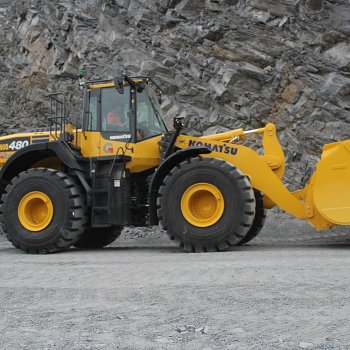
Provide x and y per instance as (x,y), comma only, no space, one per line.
(288,289)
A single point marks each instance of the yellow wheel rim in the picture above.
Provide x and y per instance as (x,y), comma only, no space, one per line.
(202,204)
(35,211)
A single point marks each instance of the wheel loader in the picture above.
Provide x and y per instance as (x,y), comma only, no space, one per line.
(65,186)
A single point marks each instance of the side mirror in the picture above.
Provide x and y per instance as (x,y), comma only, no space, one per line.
(119,84)
(139,88)
(178,123)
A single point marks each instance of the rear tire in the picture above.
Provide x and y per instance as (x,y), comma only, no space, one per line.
(26,229)
(98,237)
(259,219)
(225,210)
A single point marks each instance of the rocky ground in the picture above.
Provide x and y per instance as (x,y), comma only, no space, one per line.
(288,289)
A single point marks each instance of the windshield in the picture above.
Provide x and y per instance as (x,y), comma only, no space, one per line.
(149,121)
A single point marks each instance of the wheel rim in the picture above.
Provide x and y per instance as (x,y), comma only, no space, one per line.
(35,211)
(202,204)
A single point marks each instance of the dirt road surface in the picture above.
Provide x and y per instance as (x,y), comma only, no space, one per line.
(288,289)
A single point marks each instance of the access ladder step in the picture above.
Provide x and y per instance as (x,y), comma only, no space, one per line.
(100,208)
(101,190)
(102,176)
(102,225)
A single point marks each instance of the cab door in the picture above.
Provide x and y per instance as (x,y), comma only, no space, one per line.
(90,139)
(115,121)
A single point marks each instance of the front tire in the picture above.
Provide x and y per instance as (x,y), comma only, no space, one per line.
(42,211)
(206,204)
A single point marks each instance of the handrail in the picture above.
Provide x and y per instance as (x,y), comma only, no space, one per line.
(58,120)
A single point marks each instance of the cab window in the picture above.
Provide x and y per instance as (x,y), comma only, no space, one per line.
(149,122)
(115,110)
(92,119)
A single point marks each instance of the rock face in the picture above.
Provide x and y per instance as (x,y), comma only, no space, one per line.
(224,63)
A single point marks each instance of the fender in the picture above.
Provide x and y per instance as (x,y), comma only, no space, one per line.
(26,157)
(163,170)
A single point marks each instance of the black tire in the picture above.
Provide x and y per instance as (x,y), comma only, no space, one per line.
(98,237)
(239,205)
(69,214)
(259,219)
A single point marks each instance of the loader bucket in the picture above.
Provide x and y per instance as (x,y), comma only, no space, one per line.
(332,183)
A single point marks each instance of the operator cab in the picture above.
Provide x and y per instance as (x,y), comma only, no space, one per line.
(126,111)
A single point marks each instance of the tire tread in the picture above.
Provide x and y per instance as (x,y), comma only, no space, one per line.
(248,199)
(68,235)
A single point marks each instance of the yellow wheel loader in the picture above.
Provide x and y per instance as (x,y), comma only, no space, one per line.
(67,186)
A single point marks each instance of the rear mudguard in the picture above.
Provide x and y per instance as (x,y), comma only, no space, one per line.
(27,156)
